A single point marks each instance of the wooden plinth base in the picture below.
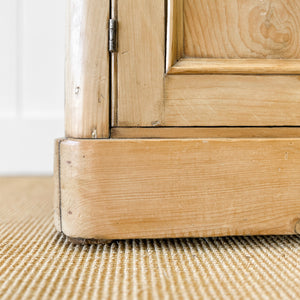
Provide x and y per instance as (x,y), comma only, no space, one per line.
(156,188)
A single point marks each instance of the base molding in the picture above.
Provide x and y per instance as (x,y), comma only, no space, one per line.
(110,189)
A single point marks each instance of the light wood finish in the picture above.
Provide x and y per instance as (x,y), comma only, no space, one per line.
(118,189)
(114,69)
(202,184)
(235,66)
(232,100)
(87,69)
(233,37)
(242,28)
(174,46)
(57,186)
(147,97)
(141,59)
(205,132)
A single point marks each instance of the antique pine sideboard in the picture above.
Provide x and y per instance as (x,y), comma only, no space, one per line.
(182,119)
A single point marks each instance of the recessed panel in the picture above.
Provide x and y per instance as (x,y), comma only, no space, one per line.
(242,29)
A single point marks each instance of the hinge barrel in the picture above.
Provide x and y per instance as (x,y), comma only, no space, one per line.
(112,35)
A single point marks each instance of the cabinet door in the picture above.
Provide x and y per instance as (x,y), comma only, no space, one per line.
(207,63)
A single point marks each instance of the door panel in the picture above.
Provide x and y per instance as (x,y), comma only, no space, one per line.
(241,28)
(224,63)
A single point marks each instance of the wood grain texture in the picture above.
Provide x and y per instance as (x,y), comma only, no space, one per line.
(119,189)
(235,66)
(57,187)
(205,132)
(114,70)
(175,28)
(232,100)
(141,62)
(87,69)
(149,98)
(242,28)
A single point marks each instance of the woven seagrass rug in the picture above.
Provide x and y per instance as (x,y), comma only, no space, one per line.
(38,263)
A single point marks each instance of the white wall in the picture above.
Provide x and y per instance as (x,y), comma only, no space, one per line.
(31,84)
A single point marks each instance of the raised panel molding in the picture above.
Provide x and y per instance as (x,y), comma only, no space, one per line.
(232,37)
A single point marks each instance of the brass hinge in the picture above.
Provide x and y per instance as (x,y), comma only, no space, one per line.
(112,35)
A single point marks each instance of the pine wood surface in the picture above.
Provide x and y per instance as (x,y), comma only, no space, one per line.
(233,100)
(242,29)
(187,182)
(175,32)
(118,189)
(235,66)
(141,56)
(195,91)
(87,69)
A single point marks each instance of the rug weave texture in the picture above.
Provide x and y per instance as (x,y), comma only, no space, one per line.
(38,263)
